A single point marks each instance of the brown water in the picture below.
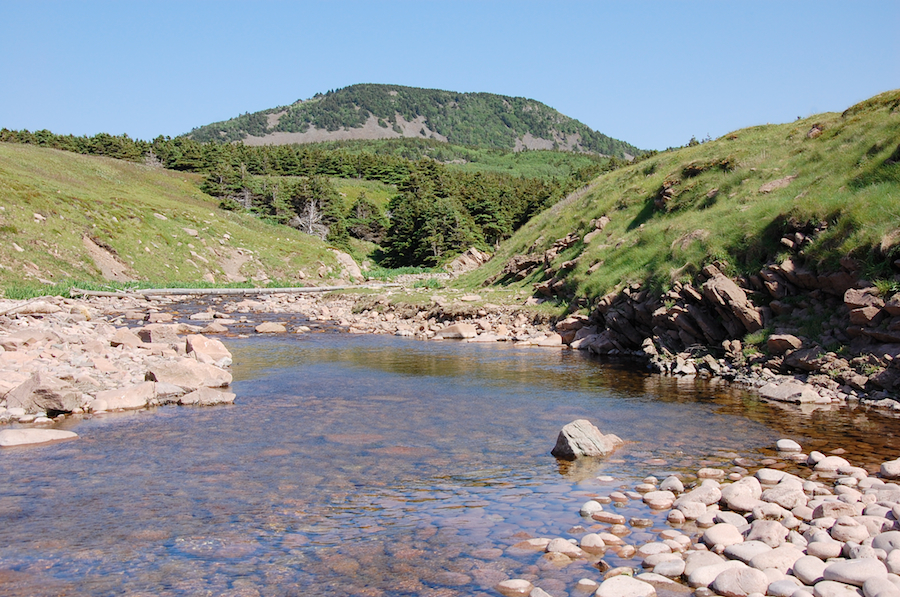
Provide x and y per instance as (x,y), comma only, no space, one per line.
(371,465)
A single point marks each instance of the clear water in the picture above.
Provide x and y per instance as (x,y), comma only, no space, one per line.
(371,465)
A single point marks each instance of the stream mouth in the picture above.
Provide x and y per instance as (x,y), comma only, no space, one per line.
(375,465)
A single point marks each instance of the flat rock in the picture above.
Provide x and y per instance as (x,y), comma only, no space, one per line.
(457,331)
(705,575)
(189,374)
(747,550)
(659,500)
(810,570)
(128,398)
(22,437)
(514,587)
(270,327)
(855,572)
(781,558)
(207,397)
(723,535)
(581,438)
(792,392)
(208,350)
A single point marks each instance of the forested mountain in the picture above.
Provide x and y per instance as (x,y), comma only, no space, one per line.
(372,111)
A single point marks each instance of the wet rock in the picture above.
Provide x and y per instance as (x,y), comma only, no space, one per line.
(206,397)
(581,438)
(659,500)
(21,437)
(270,327)
(625,586)
(673,484)
(514,587)
(788,445)
(589,507)
(792,392)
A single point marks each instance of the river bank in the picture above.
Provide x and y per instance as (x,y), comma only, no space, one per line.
(74,357)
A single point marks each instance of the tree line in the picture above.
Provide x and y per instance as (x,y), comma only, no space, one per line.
(438,211)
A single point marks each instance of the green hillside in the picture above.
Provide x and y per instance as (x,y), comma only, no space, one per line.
(372,111)
(65,216)
(737,201)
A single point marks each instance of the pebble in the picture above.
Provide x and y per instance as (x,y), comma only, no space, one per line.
(625,586)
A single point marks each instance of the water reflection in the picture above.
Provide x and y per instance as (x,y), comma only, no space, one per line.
(356,465)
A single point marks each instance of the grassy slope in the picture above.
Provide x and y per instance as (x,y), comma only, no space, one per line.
(847,177)
(115,201)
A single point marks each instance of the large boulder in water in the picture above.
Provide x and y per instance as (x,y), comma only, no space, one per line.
(43,392)
(581,438)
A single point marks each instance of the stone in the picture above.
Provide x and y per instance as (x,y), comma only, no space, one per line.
(705,575)
(880,587)
(581,438)
(770,532)
(740,582)
(44,393)
(788,445)
(830,588)
(809,569)
(659,500)
(787,496)
(791,392)
(747,550)
(670,568)
(457,331)
(847,529)
(834,509)
(777,184)
(781,343)
(673,484)
(855,572)
(589,507)
(890,469)
(126,337)
(207,350)
(781,558)
(722,535)
(700,559)
(625,586)
(189,374)
(514,587)
(21,437)
(127,398)
(691,510)
(728,296)
(831,464)
(783,588)
(160,333)
(270,327)
(743,495)
(707,494)
(207,397)
(593,543)
(888,541)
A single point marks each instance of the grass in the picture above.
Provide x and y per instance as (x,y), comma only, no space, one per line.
(51,200)
(845,180)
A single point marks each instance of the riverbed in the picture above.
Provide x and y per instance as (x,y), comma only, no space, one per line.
(375,465)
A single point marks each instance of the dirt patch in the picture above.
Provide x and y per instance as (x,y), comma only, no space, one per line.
(110,266)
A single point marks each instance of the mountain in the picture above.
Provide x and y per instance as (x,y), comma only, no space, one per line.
(371,111)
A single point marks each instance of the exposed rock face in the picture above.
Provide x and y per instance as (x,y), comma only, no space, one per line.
(468,261)
(581,438)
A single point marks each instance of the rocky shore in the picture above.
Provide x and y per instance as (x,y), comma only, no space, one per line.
(829,529)
(67,357)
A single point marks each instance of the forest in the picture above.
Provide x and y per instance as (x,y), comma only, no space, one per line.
(439,209)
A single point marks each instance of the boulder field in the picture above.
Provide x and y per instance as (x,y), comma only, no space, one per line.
(62,358)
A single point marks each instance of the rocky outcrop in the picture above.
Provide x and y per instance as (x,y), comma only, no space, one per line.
(582,438)
(471,259)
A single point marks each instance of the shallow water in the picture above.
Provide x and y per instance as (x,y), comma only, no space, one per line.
(371,465)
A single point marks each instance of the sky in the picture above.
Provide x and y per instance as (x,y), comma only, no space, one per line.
(653,74)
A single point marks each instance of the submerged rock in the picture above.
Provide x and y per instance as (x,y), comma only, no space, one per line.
(22,437)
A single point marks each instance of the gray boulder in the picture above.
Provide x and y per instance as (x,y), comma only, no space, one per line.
(581,438)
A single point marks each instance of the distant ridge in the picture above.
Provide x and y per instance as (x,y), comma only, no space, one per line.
(371,111)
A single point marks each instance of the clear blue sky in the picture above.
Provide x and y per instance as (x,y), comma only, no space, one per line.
(650,73)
